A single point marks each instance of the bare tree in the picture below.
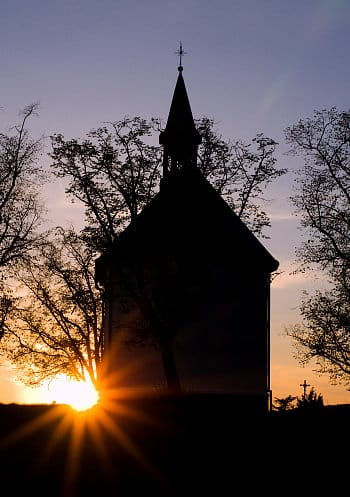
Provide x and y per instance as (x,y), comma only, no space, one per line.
(20,209)
(240,172)
(325,334)
(115,172)
(52,322)
(323,202)
(323,187)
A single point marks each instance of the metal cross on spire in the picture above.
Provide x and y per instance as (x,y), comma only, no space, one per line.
(304,385)
(181,52)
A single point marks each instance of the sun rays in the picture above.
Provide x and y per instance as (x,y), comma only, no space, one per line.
(112,430)
(80,395)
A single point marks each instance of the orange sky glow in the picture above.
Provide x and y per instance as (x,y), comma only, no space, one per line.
(252,66)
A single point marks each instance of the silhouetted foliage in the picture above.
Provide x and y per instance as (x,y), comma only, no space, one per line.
(239,171)
(53,320)
(53,325)
(325,334)
(20,207)
(309,402)
(322,200)
(284,403)
(115,172)
(323,196)
(312,400)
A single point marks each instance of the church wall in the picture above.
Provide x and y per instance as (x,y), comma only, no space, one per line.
(220,314)
(224,347)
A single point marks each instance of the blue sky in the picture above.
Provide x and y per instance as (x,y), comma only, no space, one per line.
(252,65)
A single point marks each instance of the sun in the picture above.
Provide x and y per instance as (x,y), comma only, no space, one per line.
(80,395)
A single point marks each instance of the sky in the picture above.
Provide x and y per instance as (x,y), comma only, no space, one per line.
(251,65)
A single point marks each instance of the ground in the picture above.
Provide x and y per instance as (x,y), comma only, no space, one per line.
(165,449)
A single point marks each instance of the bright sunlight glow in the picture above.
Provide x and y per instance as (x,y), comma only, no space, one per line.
(80,395)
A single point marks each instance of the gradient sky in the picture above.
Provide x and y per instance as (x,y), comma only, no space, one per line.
(252,65)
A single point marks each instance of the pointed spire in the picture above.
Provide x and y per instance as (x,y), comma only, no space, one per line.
(180,125)
(180,137)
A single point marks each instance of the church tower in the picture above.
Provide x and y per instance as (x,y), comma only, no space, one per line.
(187,285)
(180,139)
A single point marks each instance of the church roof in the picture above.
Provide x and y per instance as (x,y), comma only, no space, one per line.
(189,214)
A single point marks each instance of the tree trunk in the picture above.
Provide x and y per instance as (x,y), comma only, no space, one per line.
(169,366)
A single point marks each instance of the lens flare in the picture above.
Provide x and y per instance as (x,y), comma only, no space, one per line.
(80,395)
(71,443)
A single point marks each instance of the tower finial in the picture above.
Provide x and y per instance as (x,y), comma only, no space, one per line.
(181,52)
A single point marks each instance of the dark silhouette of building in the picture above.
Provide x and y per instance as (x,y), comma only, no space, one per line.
(187,284)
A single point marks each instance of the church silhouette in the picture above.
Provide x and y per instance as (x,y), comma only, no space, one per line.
(186,286)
